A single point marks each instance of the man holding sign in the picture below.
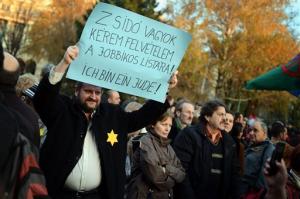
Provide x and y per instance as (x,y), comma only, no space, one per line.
(84,153)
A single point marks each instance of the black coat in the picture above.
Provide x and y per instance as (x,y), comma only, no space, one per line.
(25,116)
(192,148)
(67,127)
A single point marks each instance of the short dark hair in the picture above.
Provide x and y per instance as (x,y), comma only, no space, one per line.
(209,108)
(30,66)
(236,129)
(230,112)
(78,85)
(277,128)
(237,115)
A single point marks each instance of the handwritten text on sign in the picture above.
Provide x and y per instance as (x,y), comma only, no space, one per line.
(127,52)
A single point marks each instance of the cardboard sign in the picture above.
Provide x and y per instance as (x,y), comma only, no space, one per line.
(127,52)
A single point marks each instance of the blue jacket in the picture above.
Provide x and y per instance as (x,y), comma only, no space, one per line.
(255,158)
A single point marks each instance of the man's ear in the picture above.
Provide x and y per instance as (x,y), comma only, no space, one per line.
(76,92)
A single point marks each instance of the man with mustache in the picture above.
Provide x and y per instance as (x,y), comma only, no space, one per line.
(208,155)
(84,153)
(184,113)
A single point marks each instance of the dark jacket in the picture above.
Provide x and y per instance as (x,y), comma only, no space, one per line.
(255,157)
(9,130)
(192,148)
(20,175)
(155,169)
(26,117)
(175,129)
(67,127)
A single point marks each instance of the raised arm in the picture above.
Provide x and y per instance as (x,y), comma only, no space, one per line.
(47,101)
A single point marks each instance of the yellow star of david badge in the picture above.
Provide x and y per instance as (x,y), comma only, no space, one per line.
(112,137)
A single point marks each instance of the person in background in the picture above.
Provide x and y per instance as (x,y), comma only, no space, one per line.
(155,168)
(238,117)
(236,133)
(184,113)
(30,66)
(20,175)
(285,183)
(228,121)
(46,69)
(25,89)
(197,111)
(133,137)
(25,81)
(22,65)
(208,155)
(113,97)
(278,133)
(26,117)
(255,157)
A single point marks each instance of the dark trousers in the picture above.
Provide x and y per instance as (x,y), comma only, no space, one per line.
(68,194)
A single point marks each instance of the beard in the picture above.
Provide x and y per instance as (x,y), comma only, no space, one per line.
(85,107)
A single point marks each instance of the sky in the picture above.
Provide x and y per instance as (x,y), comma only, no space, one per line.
(295,7)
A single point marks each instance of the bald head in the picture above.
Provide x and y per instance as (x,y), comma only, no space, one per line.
(9,72)
(10,63)
(113,97)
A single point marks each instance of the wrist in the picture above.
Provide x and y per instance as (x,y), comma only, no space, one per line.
(276,192)
(61,66)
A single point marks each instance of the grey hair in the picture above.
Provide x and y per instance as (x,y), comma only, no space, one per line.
(263,126)
(179,104)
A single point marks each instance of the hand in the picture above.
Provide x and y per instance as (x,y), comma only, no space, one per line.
(173,80)
(70,54)
(276,183)
(278,180)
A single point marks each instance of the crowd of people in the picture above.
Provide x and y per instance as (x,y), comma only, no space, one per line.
(91,145)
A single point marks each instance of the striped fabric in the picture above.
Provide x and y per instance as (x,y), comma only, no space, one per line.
(26,178)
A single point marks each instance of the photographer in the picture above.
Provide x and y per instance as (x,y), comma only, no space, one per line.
(285,183)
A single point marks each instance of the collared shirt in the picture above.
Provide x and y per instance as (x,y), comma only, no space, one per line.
(178,124)
(86,175)
(213,139)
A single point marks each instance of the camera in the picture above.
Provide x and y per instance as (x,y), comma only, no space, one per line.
(276,156)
